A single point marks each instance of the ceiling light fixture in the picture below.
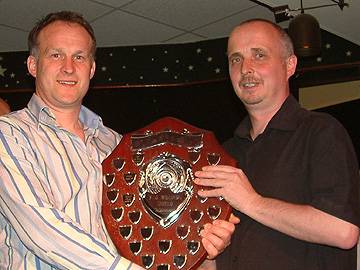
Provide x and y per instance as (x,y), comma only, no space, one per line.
(304,29)
(284,13)
(305,33)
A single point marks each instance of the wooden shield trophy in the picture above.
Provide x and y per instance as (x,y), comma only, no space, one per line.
(150,203)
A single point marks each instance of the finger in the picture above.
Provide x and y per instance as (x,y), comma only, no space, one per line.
(222,229)
(210,249)
(217,174)
(213,245)
(205,174)
(216,192)
(223,168)
(210,182)
(213,174)
(219,234)
(210,176)
(211,242)
(234,219)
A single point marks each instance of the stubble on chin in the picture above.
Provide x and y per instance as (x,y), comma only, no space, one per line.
(252,101)
(249,98)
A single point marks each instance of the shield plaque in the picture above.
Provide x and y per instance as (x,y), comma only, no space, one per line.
(150,203)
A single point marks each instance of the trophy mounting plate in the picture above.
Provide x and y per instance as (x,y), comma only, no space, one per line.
(150,204)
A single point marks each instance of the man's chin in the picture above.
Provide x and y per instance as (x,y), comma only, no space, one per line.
(251,101)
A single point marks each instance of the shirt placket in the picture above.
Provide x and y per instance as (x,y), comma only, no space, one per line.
(95,188)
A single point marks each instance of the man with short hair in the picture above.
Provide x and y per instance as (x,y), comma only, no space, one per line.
(50,162)
(296,185)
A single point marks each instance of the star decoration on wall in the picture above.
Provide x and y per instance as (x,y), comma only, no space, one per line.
(2,71)
(168,63)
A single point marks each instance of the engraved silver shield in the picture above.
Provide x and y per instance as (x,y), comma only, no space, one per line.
(165,187)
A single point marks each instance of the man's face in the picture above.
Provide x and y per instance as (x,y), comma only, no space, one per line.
(63,66)
(258,68)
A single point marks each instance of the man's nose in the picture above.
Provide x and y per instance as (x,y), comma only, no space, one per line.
(246,66)
(68,65)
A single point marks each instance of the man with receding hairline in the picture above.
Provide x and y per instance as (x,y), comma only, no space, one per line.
(296,185)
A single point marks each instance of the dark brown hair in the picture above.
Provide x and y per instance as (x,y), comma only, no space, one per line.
(65,16)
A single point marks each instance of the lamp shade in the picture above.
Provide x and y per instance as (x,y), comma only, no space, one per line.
(305,33)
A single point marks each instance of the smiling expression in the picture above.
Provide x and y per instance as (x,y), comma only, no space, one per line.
(63,65)
(258,65)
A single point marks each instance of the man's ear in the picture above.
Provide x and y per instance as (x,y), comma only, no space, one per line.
(291,65)
(92,70)
(32,65)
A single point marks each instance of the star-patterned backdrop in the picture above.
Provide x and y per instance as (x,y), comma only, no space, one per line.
(157,65)
(134,86)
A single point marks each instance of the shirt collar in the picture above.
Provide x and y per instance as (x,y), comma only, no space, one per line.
(285,118)
(45,116)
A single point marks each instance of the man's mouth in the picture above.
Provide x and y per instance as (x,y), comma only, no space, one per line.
(248,84)
(67,82)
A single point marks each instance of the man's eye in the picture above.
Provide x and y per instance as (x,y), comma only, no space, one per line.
(235,60)
(55,55)
(79,58)
(260,55)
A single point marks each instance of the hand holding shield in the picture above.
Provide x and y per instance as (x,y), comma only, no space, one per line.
(150,203)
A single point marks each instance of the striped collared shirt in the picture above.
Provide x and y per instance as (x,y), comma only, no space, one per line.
(50,192)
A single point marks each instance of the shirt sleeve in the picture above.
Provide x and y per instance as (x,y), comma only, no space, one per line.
(27,205)
(334,173)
